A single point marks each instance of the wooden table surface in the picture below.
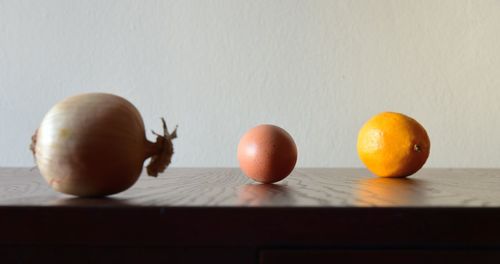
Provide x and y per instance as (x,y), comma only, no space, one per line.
(438,210)
(182,187)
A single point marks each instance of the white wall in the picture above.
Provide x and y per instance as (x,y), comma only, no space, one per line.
(318,68)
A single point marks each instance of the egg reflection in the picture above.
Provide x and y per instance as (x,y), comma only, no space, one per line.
(390,191)
(264,194)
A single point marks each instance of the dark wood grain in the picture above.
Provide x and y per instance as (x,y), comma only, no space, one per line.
(436,210)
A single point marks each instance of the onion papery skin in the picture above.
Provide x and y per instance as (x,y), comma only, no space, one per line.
(92,145)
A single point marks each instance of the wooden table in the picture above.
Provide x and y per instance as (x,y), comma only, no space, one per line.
(219,216)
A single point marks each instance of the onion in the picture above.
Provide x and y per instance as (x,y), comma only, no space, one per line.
(95,145)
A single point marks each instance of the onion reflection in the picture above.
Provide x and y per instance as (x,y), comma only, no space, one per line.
(79,201)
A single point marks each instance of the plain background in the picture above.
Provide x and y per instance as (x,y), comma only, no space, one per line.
(317,68)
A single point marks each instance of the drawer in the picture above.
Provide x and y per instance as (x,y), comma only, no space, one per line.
(379,256)
(124,255)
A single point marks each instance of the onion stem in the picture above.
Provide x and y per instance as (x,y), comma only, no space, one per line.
(161,151)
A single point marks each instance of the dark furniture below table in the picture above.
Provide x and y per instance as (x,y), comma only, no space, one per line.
(219,216)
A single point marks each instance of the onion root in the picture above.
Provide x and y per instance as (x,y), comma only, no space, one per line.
(33,143)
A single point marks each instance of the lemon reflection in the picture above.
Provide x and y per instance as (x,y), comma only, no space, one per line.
(390,191)
(264,194)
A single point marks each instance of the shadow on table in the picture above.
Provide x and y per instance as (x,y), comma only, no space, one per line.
(390,191)
(264,194)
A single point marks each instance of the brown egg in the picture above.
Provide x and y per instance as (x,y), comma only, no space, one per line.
(267,153)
